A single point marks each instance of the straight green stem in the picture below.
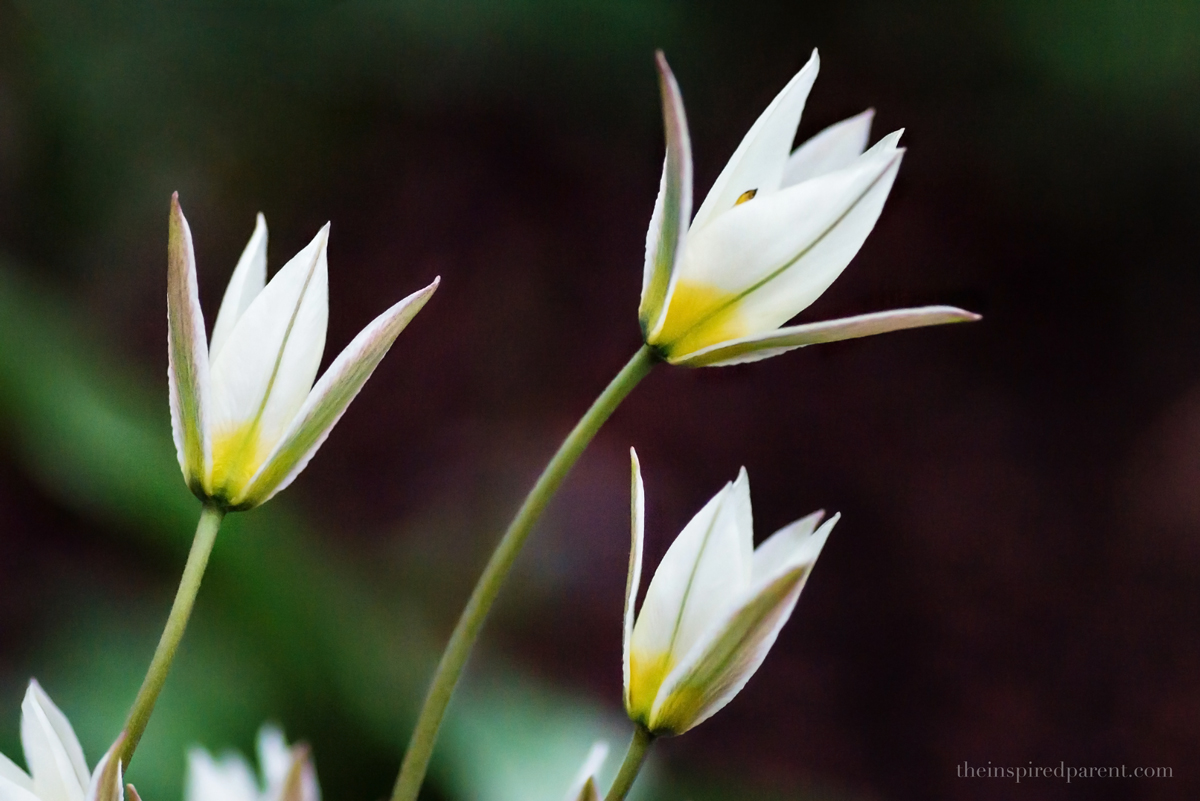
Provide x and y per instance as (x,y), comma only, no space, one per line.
(466,631)
(181,610)
(635,757)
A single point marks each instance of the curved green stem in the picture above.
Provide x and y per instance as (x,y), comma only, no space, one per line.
(181,609)
(466,631)
(635,757)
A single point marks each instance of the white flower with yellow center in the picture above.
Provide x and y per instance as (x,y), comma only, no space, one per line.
(245,413)
(57,769)
(713,609)
(287,773)
(776,229)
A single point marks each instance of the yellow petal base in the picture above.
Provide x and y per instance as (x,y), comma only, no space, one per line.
(237,455)
(699,315)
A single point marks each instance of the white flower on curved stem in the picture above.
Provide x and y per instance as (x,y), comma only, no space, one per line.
(287,773)
(776,229)
(713,609)
(57,768)
(245,413)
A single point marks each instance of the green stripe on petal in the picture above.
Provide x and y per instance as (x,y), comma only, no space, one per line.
(329,398)
(672,208)
(764,346)
(187,354)
(638,528)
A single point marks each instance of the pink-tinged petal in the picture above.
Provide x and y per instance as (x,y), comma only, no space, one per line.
(52,751)
(759,160)
(773,343)
(832,149)
(106,782)
(672,208)
(633,581)
(187,355)
(248,279)
(330,396)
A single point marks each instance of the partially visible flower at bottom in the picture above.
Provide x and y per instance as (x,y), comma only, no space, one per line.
(287,773)
(584,787)
(57,769)
(713,609)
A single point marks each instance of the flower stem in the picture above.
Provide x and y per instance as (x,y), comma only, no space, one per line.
(635,757)
(181,609)
(466,631)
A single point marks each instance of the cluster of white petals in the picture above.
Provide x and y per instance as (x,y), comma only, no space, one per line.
(57,768)
(287,773)
(775,230)
(245,413)
(713,609)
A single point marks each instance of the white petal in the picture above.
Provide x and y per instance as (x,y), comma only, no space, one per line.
(775,255)
(784,546)
(10,772)
(52,751)
(14,791)
(227,779)
(721,664)
(248,279)
(764,346)
(700,575)
(266,369)
(187,354)
(632,582)
(331,396)
(832,149)
(759,160)
(583,788)
(274,759)
(672,208)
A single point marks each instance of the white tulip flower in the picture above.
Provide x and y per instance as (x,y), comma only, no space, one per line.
(245,413)
(287,773)
(713,609)
(57,769)
(776,229)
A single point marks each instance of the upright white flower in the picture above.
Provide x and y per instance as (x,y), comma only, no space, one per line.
(775,230)
(57,769)
(287,773)
(713,609)
(245,413)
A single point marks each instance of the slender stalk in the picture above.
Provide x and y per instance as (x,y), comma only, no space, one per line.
(466,631)
(181,609)
(635,757)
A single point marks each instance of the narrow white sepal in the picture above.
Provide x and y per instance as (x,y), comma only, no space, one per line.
(106,782)
(832,149)
(328,399)
(248,279)
(759,160)
(187,354)
(633,581)
(672,208)
(763,346)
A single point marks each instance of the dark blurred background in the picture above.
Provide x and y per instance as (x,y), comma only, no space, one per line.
(1016,575)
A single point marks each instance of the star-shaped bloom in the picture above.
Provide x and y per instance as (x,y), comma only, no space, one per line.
(775,230)
(713,609)
(245,413)
(287,773)
(57,769)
